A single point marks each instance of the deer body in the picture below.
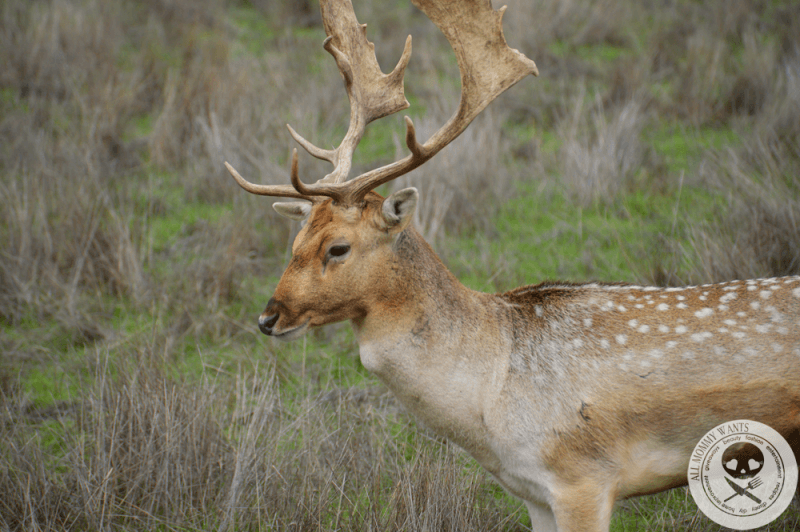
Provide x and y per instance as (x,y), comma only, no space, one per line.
(572,396)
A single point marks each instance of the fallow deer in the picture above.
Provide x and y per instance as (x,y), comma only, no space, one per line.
(572,395)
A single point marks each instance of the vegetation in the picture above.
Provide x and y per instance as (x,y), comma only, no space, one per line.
(661,144)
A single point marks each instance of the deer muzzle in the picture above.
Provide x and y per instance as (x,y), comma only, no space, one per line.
(268,318)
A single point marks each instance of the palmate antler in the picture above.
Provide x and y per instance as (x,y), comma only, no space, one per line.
(488,67)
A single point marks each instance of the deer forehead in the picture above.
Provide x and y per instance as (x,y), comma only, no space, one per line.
(329,221)
(327,215)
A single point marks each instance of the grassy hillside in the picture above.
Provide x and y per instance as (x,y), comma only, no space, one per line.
(660,144)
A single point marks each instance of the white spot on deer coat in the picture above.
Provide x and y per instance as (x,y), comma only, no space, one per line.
(727,298)
(621,339)
(704,313)
(662,307)
(701,337)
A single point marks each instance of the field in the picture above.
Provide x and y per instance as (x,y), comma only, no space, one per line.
(659,145)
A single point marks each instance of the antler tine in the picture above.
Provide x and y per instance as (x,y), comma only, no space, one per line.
(283,191)
(330,190)
(372,93)
(488,67)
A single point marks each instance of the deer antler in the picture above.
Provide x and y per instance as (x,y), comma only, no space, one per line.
(372,93)
(488,67)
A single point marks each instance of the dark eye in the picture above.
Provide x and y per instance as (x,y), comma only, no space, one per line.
(339,250)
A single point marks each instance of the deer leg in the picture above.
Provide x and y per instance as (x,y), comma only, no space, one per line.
(542,518)
(585,507)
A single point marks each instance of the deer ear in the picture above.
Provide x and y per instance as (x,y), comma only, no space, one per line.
(296,210)
(398,209)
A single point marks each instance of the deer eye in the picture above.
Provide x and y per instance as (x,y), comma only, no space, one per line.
(339,250)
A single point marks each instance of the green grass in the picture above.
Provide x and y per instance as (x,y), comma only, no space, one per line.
(187,339)
(682,147)
(173,216)
(543,236)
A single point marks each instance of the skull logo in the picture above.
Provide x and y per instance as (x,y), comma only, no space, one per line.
(742,460)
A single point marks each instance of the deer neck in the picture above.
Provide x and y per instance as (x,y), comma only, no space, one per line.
(434,343)
(416,302)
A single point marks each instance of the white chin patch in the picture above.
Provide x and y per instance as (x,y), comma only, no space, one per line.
(292,334)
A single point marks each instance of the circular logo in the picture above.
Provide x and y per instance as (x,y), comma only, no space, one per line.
(742,474)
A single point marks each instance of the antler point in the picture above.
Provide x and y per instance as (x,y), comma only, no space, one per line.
(233,172)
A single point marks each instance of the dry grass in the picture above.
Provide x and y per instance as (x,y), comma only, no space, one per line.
(602,159)
(125,250)
(142,450)
(757,234)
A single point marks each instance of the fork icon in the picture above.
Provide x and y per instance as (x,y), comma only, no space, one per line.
(753,484)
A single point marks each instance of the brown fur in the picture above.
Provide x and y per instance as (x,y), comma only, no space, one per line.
(572,395)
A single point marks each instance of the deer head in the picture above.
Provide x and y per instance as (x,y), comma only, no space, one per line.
(341,259)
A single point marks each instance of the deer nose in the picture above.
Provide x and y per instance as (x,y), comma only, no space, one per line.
(266,322)
(268,319)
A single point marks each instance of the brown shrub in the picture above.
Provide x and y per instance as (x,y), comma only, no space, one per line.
(59,240)
(757,234)
(601,155)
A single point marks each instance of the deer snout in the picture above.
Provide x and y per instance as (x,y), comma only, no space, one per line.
(268,318)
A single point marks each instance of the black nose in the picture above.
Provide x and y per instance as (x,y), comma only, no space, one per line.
(268,318)
(266,322)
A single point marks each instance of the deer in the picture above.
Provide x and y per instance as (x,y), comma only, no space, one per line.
(572,395)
